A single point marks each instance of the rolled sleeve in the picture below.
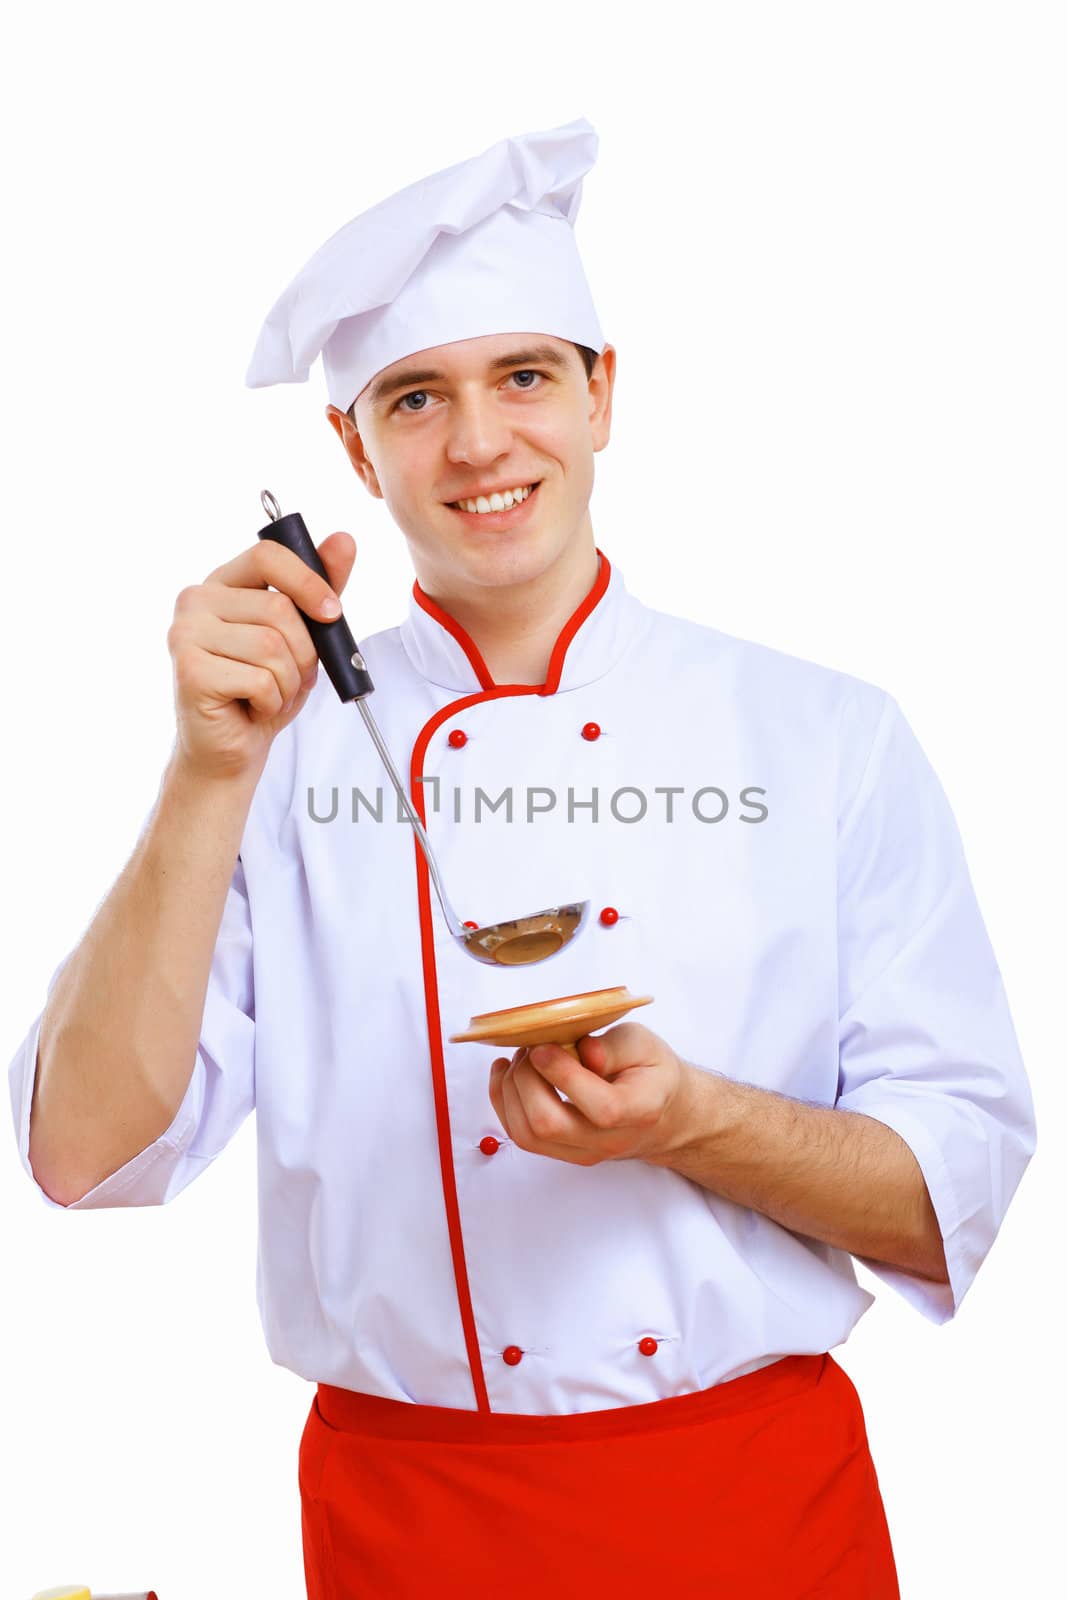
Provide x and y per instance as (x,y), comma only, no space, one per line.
(221,1090)
(926,1039)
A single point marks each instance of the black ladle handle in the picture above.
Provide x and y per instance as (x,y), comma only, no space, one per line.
(337,649)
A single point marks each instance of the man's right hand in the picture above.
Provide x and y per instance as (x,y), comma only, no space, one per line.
(243,659)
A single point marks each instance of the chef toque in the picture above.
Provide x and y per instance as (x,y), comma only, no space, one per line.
(485,246)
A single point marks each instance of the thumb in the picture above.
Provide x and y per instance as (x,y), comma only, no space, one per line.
(337,553)
(615,1050)
(595,1053)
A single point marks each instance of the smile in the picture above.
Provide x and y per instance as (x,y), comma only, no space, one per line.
(498,510)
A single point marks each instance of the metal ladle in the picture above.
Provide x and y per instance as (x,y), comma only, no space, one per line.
(517,942)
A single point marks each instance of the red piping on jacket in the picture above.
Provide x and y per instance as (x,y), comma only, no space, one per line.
(474,655)
(489,691)
(559,649)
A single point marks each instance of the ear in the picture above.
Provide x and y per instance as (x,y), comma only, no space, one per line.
(337,419)
(601,389)
(352,440)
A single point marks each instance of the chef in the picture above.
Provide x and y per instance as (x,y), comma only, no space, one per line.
(570,1320)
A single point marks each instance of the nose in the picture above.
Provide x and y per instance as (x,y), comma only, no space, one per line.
(478,432)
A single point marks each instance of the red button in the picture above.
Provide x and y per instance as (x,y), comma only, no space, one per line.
(489,1146)
(470,924)
(648,1347)
(512,1355)
(609,916)
(591,730)
(457,738)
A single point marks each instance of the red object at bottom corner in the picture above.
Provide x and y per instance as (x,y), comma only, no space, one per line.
(760,1488)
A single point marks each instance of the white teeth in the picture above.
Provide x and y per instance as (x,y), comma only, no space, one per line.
(496,502)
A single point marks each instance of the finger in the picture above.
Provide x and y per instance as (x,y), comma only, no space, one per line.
(598,1102)
(627,1044)
(338,555)
(585,1153)
(261,646)
(496,1072)
(593,1053)
(516,1104)
(625,1055)
(216,680)
(265,608)
(269,564)
(551,1121)
(513,1116)
(630,1095)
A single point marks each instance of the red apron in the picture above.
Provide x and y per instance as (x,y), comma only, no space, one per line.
(760,1488)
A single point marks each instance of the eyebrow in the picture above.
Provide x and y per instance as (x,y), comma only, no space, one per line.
(535,355)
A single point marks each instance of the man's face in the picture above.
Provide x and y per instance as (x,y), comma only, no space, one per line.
(501,412)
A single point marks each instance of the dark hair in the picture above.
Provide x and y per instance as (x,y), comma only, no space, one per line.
(589,361)
(589,358)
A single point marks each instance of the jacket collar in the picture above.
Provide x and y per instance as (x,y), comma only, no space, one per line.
(588,645)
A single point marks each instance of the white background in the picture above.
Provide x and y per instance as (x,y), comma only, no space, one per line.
(827,241)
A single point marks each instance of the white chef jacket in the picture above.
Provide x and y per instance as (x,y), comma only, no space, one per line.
(804,920)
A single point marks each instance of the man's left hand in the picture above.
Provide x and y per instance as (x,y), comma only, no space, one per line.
(628,1097)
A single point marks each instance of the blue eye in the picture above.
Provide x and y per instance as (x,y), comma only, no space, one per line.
(413,394)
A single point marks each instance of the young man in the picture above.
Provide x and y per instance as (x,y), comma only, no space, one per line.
(570,1321)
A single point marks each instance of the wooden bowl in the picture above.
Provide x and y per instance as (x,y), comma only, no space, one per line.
(563,1021)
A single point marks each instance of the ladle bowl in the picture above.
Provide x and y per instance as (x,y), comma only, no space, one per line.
(526,939)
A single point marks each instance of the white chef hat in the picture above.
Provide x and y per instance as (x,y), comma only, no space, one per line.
(485,246)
